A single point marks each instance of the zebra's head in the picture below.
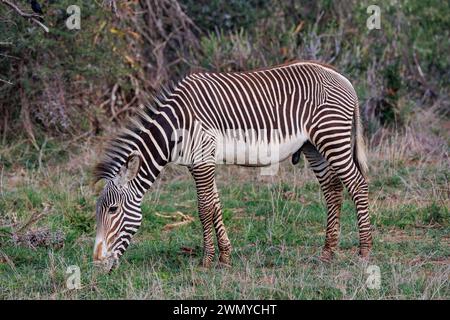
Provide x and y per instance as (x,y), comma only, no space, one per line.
(118,213)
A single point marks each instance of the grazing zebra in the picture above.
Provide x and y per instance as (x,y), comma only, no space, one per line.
(236,118)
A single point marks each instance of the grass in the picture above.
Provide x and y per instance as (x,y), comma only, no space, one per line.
(276,225)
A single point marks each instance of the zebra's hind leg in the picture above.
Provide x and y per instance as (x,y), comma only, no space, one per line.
(341,160)
(210,213)
(332,189)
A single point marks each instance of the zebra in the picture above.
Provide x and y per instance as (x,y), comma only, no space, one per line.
(210,118)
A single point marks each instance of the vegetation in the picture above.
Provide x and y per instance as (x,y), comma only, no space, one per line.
(276,226)
(64,92)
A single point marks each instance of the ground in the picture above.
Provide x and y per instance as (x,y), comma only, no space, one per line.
(276,226)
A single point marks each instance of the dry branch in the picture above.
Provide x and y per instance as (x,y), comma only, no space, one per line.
(35,217)
(160,35)
(36,237)
(185,219)
(6,81)
(170,226)
(188,251)
(32,16)
(25,115)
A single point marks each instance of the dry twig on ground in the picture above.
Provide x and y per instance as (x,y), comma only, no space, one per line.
(37,237)
(185,219)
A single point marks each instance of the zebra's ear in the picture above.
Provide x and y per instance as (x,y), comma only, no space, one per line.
(129,169)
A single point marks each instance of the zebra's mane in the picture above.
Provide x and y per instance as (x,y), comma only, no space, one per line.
(297,61)
(117,150)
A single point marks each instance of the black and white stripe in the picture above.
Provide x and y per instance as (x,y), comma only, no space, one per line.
(212,118)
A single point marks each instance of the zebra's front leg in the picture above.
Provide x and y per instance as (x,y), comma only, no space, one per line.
(210,213)
(332,189)
(222,236)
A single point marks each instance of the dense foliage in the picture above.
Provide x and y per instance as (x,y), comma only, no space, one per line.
(68,82)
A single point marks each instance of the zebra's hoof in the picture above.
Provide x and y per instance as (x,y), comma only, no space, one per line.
(224,265)
(205,264)
(364,253)
(326,256)
(224,259)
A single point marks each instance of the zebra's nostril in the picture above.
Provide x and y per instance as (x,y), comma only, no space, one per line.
(99,252)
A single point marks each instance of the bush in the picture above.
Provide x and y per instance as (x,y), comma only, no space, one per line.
(54,75)
(68,82)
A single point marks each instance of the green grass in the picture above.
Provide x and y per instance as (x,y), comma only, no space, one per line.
(276,226)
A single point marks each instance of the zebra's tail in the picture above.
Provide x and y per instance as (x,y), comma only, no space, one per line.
(359,151)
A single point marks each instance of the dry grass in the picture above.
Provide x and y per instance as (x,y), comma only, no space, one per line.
(276,225)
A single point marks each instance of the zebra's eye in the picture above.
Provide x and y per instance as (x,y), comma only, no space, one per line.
(113,209)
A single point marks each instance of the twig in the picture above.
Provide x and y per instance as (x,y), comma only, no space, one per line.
(8,56)
(125,108)
(87,133)
(419,69)
(5,127)
(25,115)
(34,218)
(185,220)
(177,224)
(1,181)
(173,216)
(32,16)
(113,100)
(41,153)
(6,81)
(429,88)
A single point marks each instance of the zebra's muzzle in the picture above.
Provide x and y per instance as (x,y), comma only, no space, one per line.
(101,250)
(102,258)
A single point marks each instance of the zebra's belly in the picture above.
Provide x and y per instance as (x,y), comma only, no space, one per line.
(256,153)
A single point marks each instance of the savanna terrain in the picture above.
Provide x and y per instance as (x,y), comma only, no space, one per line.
(64,93)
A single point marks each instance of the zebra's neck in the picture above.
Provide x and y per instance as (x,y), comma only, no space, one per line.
(153,139)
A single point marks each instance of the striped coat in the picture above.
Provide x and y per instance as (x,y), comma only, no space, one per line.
(254,118)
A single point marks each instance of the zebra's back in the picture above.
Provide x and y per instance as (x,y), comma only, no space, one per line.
(249,112)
